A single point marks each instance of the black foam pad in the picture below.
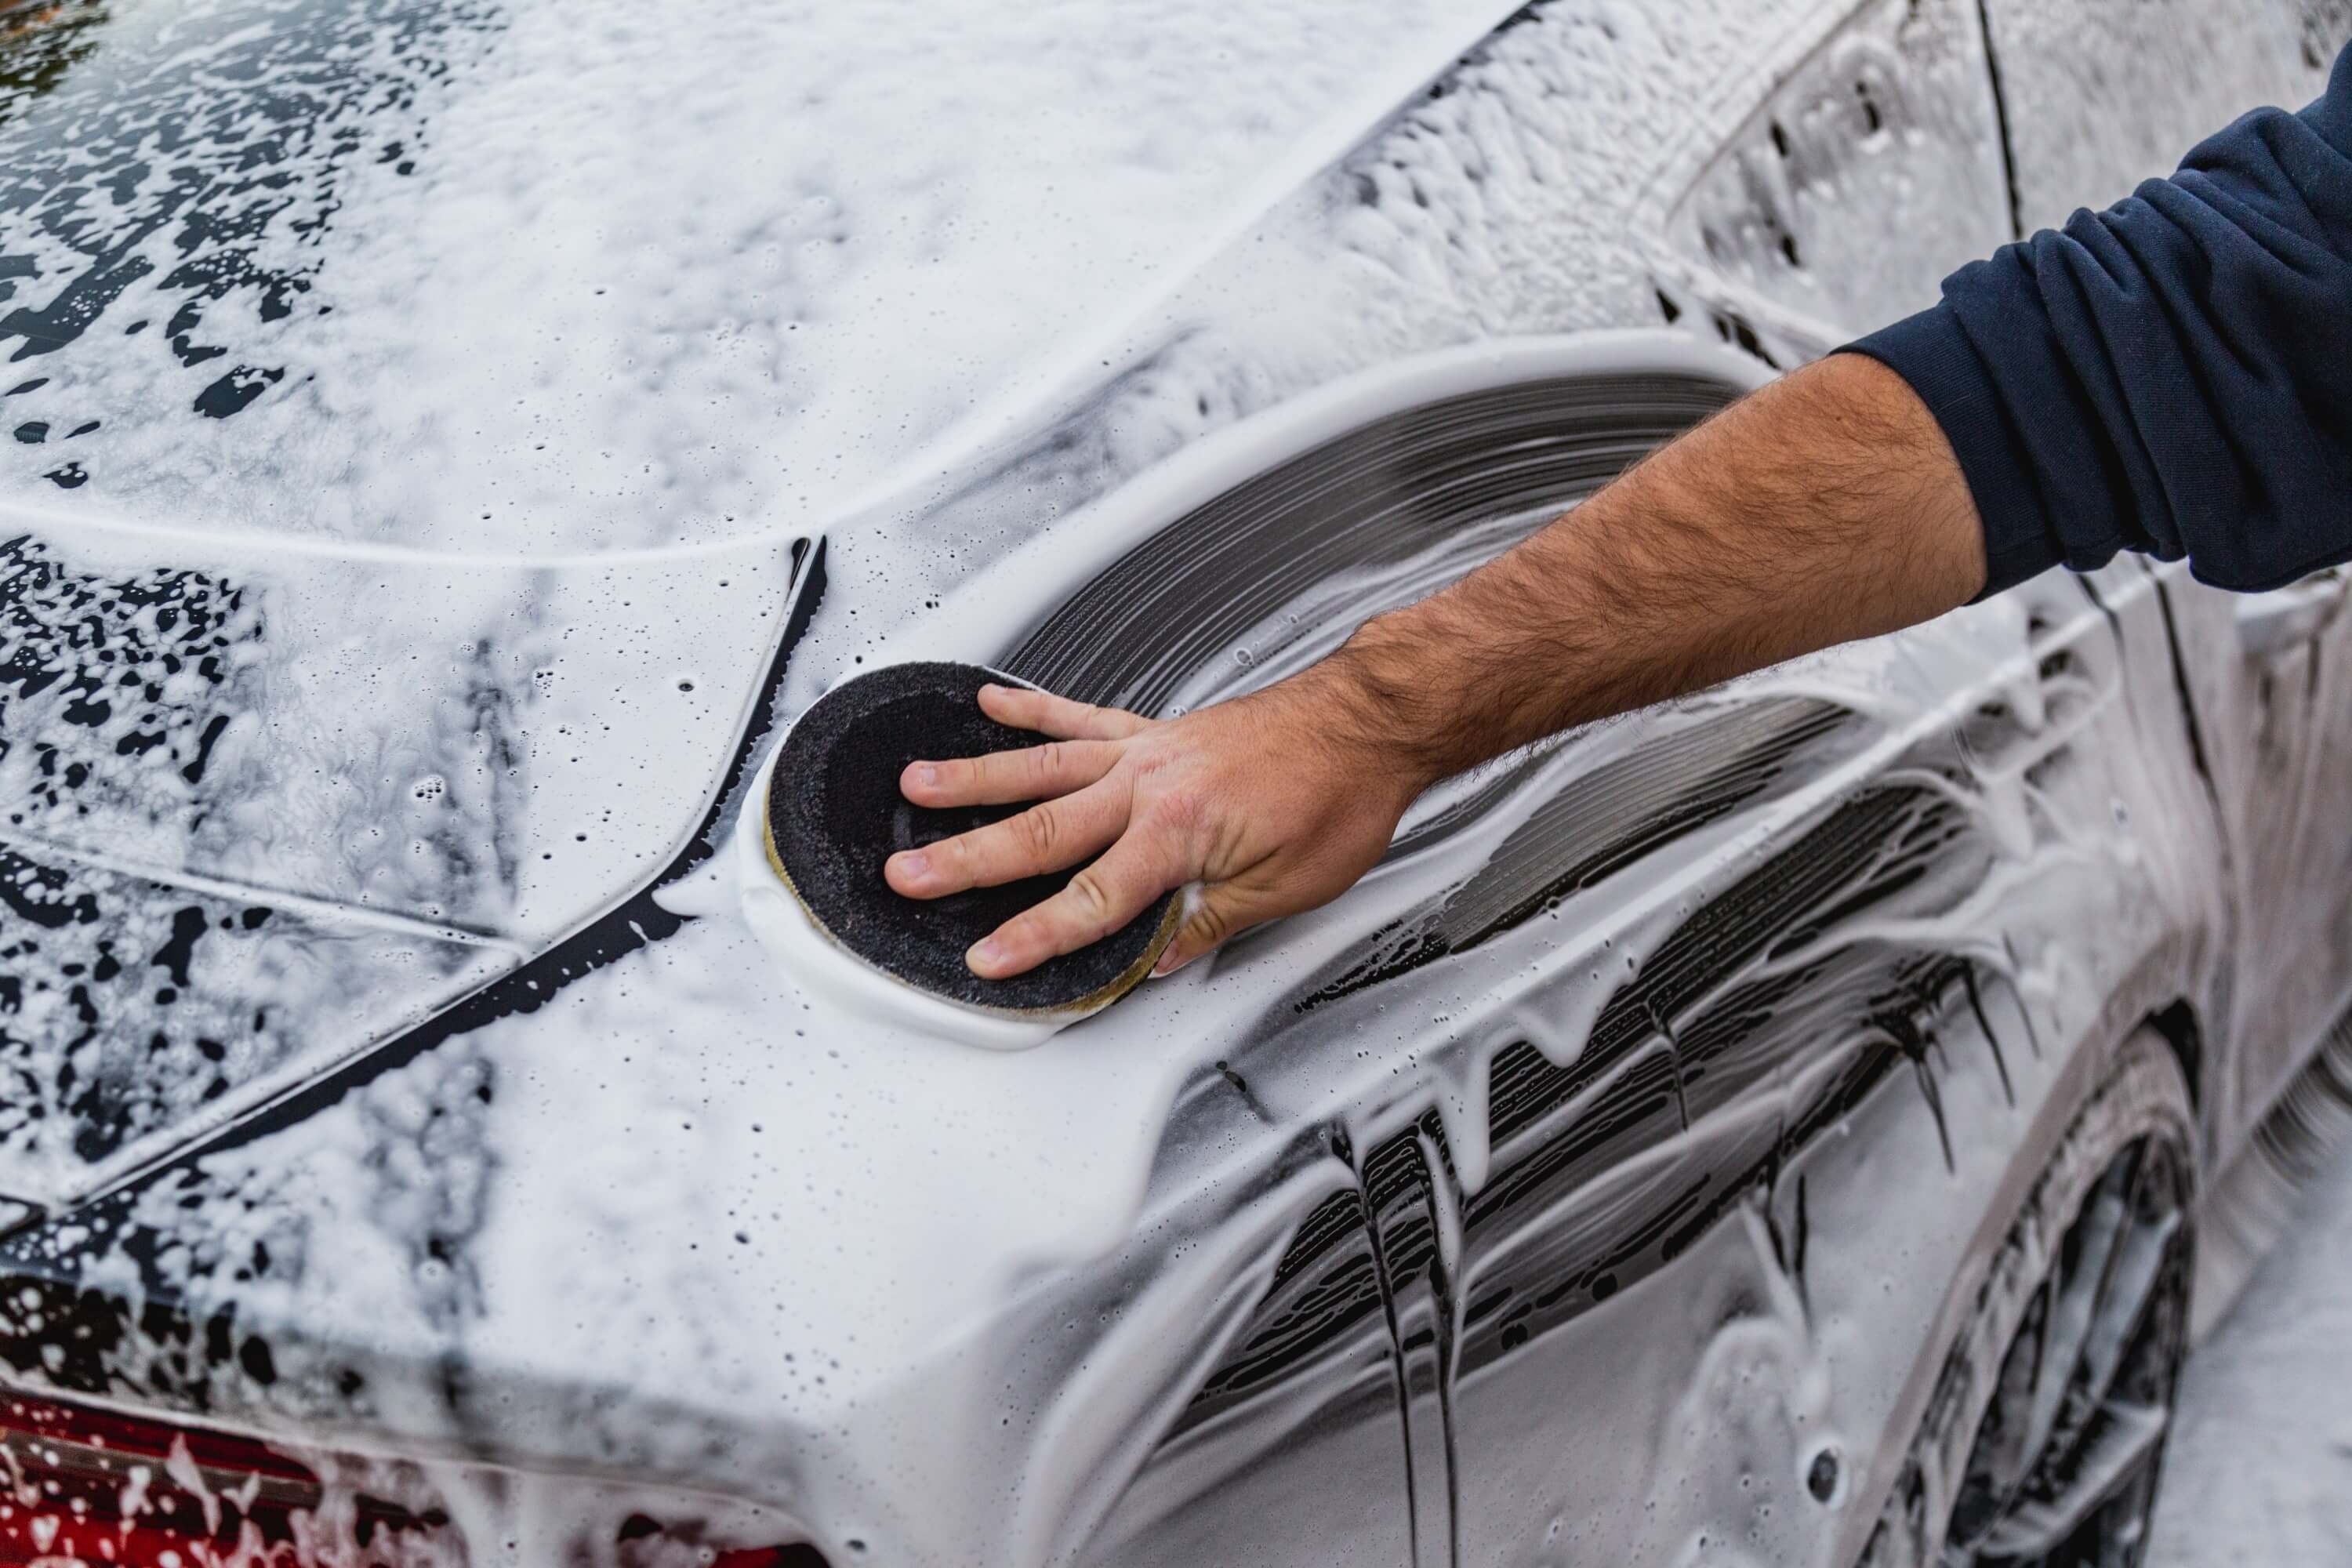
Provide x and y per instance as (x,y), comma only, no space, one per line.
(836,813)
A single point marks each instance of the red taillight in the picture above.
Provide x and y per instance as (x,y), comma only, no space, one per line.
(79,1483)
(93,1486)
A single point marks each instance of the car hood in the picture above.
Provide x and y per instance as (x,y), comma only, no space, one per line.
(416,416)
(543,279)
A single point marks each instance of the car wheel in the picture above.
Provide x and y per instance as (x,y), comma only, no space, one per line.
(2042,1440)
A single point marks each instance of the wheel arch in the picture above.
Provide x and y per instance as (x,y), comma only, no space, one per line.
(2178,1023)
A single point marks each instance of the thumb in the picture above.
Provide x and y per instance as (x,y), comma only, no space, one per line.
(1211,915)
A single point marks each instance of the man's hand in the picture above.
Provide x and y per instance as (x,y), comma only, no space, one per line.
(1266,801)
(1824,508)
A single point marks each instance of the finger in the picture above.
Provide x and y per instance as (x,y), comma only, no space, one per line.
(1099,900)
(1001,778)
(1047,837)
(1217,912)
(1025,708)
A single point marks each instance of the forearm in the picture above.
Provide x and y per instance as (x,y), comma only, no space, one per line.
(2173,376)
(1825,507)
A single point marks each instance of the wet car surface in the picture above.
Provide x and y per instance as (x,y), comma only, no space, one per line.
(449,442)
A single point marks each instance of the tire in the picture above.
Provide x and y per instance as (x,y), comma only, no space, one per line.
(2044,1440)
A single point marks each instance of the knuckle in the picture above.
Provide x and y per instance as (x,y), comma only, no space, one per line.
(1090,898)
(1177,811)
(1213,924)
(1045,763)
(1040,831)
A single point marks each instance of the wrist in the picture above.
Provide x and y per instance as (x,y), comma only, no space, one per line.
(1372,699)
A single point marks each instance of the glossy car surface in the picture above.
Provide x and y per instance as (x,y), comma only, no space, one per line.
(450,439)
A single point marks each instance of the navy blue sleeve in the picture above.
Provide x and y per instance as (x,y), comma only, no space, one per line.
(2172,375)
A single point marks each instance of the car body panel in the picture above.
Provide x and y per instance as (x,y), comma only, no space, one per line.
(2099,96)
(1695,1055)
(2103,94)
(1720,1280)
(269,804)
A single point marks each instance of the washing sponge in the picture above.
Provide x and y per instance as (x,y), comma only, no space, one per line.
(835,813)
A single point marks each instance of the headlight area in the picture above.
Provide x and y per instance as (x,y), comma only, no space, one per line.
(81,1484)
(100,1466)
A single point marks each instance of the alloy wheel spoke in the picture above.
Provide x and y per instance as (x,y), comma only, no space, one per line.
(2131,1287)
(2127,1440)
(2067,1450)
(2072,1311)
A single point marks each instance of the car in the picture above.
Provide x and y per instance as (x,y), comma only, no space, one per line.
(1804,1122)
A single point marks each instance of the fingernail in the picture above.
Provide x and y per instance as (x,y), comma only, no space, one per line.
(984,956)
(913,863)
(1169,963)
(926,776)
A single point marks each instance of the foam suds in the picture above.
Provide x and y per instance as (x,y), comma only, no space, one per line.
(937,1208)
(728,1215)
(326,795)
(981,1178)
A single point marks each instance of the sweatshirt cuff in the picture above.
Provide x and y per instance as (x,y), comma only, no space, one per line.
(1931,353)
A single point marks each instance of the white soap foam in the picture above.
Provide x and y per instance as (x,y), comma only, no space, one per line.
(901,1193)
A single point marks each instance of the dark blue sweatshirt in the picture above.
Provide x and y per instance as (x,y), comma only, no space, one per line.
(2173,374)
